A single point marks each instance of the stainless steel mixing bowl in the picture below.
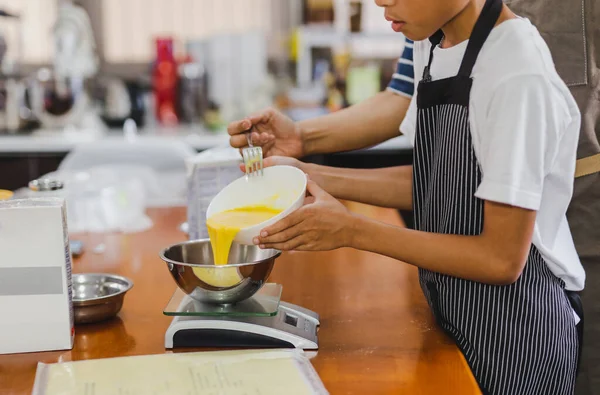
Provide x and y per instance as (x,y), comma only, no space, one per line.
(98,296)
(249,263)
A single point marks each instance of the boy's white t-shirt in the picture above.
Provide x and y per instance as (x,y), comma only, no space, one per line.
(525,129)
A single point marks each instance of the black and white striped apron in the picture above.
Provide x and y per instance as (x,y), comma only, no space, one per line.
(520,338)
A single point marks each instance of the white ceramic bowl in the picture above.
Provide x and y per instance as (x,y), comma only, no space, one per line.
(280,187)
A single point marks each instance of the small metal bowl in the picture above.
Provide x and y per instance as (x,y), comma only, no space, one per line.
(97,296)
(192,267)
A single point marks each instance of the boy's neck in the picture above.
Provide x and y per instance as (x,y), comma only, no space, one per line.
(459,28)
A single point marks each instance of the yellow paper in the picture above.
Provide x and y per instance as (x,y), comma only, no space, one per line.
(223,372)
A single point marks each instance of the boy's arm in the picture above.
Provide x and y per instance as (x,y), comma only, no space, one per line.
(385,187)
(496,256)
(362,125)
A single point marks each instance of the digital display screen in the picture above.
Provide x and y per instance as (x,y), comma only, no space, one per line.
(291,320)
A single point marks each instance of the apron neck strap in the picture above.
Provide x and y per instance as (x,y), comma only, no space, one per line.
(483,27)
(435,40)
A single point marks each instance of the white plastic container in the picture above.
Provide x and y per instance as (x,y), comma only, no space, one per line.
(280,187)
(208,173)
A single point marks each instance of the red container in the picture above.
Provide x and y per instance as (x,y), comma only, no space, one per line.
(165,82)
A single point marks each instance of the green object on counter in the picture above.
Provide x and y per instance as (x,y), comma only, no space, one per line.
(362,83)
(213,120)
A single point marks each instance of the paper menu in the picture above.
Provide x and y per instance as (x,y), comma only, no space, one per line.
(262,372)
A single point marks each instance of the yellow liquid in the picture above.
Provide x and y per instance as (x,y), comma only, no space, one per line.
(5,195)
(222,229)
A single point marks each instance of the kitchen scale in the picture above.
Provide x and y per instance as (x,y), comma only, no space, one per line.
(262,321)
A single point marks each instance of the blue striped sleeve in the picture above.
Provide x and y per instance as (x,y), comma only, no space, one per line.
(403,81)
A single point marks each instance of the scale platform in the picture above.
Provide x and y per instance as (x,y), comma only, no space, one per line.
(263,321)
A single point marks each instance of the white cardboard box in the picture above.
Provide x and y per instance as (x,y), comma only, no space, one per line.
(36,312)
(208,173)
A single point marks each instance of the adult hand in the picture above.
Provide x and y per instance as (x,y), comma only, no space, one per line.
(322,224)
(276,133)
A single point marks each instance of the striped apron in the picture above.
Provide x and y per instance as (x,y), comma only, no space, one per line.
(519,338)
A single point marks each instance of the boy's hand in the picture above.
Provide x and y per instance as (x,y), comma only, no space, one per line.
(322,224)
(276,133)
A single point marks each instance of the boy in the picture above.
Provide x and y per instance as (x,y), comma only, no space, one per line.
(495,134)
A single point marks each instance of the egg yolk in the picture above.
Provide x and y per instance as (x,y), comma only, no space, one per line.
(222,230)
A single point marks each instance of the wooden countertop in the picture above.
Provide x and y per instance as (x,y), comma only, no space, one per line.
(377,334)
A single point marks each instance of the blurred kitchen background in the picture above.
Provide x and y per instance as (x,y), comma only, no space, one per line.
(115,71)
